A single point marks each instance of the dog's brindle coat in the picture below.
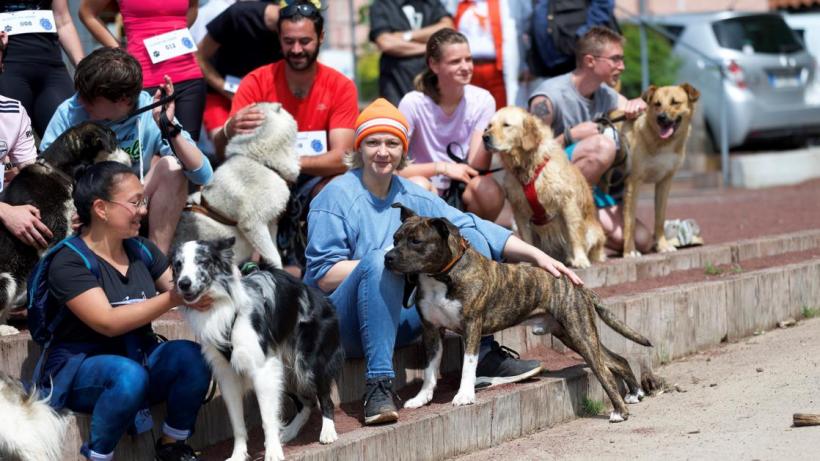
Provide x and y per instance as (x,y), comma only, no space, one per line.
(463,291)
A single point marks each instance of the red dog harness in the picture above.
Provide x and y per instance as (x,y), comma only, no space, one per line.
(539,215)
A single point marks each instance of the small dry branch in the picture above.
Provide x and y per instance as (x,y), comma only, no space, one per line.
(806,419)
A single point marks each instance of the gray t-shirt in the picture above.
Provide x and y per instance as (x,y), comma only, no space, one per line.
(571,108)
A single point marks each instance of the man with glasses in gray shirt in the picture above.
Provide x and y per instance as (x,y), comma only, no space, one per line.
(570,104)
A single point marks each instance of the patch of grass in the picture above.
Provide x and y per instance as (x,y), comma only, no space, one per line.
(711,269)
(592,407)
(809,312)
(663,354)
(736,269)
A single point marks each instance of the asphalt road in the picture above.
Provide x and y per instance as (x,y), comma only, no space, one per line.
(738,404)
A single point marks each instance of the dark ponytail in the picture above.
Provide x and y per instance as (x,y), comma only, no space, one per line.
(95,182)
(427,81)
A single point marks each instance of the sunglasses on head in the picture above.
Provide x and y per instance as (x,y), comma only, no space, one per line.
(307,10)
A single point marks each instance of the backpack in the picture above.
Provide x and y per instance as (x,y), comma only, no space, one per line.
(564,18)
(42,317)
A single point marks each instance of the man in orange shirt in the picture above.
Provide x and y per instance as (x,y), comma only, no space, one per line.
(323,101)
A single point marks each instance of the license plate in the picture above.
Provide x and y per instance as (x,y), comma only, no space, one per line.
(778,81)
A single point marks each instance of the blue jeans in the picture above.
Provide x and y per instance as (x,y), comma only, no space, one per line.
(372,319)
(112,388)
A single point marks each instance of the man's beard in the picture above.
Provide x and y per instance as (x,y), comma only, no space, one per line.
(311,58)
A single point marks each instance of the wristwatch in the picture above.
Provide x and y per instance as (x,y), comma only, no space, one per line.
(407,36)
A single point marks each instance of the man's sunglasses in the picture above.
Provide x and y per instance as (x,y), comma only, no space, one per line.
(307,10)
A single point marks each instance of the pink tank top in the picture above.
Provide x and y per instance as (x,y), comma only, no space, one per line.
(146,18)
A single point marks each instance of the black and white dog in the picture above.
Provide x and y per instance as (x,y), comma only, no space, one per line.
(47,185)
(264,329)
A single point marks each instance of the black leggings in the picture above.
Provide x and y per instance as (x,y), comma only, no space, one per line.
(189,106)
(40,87)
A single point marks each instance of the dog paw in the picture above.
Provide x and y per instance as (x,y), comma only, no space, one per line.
(665,247)
(579,263)
(275,454)
(616,417)
(632,254)
(631,399)
(328,435)
(8,330)
(421,399)
(464,398)
(238,457)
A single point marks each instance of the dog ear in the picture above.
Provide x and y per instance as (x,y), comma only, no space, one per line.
(405,212)
(444,227)
(531,137)
(691,91)
(647,95)
(225,244)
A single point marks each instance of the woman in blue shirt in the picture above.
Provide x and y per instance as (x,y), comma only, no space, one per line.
(350,228)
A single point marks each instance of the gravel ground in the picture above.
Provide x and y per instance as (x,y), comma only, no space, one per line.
(738,404)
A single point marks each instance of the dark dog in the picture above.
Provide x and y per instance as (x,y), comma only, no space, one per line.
(47,185)
(461,290)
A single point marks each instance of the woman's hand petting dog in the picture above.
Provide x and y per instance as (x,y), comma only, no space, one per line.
(245,121)
(557,268)
(23,221)
(204,302)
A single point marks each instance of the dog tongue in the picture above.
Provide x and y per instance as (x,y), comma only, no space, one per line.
(668,131)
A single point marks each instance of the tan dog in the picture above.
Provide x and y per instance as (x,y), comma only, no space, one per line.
(548,194)
(657,142)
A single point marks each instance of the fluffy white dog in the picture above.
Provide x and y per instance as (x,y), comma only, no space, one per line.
(251,189)
(30,430)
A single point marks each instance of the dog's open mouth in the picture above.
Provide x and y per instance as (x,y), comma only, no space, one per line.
(190,296)
(667,127)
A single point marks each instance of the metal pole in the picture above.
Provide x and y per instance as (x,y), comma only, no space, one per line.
(724,131)
(644,47)
(352,13)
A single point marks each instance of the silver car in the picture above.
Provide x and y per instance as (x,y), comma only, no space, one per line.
(769,74)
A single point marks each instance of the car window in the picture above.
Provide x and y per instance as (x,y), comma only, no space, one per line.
(758,34)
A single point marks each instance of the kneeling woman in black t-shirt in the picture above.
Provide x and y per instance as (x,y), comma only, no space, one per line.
(105,359)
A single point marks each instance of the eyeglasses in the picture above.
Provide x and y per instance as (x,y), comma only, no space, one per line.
(135,205)
(617,59)
(308,10)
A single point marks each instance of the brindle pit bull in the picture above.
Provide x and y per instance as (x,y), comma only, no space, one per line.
(461,290)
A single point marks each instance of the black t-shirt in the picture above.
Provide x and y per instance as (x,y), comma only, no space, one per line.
(40,48)
(245,42)
(396,74)
(68,277)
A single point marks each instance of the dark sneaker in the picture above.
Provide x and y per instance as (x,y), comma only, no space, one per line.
(177,451)
(502,366)
(379,407)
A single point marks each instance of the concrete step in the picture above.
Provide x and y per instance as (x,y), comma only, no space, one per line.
(679,321)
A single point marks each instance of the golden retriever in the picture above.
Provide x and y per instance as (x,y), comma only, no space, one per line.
(657,143)
(560,209)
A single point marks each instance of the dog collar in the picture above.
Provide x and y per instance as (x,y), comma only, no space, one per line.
(204,209)
(463,245)
(539,215)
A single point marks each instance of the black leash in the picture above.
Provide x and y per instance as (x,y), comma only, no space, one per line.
(457,159)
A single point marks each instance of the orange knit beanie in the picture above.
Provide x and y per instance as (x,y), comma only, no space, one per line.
(381,117)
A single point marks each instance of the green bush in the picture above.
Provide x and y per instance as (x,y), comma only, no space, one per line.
(663,66)
(367,70)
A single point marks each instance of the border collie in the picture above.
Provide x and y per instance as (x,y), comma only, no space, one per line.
(30,430)
(263,330)
(47,184)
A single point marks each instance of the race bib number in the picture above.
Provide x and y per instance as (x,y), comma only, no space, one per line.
(169,45)
(28,22)
(231,83)
(311,142)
